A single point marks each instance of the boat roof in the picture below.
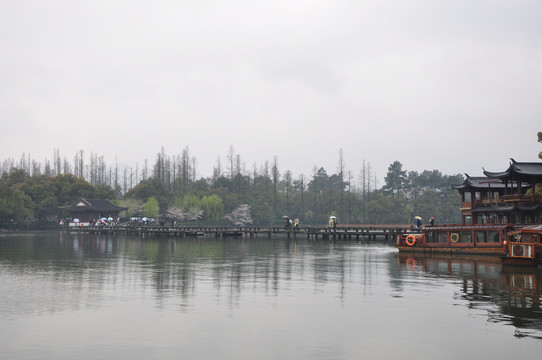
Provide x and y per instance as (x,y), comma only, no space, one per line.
(533,229)
(465,227)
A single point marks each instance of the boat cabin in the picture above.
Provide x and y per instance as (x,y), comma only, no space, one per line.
(474,239)
(524,246)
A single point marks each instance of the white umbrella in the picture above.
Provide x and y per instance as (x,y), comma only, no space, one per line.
(76,220)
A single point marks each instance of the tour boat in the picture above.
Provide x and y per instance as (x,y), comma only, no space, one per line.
(499,212)
(465,239)
(524,247)
(517,245)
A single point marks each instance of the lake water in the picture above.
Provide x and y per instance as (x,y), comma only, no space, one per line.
(119,297)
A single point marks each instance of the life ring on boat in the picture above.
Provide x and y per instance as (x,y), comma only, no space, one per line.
(454,237)
(410,240)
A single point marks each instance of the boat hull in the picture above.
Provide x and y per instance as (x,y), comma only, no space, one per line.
(514,261)
(497,250)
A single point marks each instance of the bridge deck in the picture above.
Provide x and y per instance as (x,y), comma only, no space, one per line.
(341,232)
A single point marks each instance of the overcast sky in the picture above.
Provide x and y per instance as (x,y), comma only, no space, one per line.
(449,85)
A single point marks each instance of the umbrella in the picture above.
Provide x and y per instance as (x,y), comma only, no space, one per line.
(332,217)
(102,220)
(417,217)
(76,220)
(285,217)
(110,219)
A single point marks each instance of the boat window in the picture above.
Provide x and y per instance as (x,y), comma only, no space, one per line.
(531,238)
(481,236)
(468,197)
(430,237)
(521,250)
(465,237)
(468,219)
(493,236)
(442,237)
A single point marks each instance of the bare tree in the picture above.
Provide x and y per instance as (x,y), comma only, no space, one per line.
(231,162)
(145,171)
(217,170)
(276,178)
(287,181)
(302,189)
(341,177)
(57,162)
(66,167)
(185,171)
(194,169)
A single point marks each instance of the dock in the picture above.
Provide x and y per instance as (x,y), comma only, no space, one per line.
(365,232)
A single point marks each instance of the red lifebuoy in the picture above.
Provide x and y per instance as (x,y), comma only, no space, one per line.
(411,263)
(410,240)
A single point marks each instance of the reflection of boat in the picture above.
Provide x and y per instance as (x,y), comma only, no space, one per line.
(509,295)
(524,247)
(467,239)
(446,264)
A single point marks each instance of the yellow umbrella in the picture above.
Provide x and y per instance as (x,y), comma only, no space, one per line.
(417,217)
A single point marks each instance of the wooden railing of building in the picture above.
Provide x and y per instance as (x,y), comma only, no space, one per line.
(511,200)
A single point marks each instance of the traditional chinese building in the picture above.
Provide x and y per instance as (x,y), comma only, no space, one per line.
(506,197)
(85,210)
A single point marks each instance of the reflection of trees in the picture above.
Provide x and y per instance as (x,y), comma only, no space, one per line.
(92,269)
(508,295)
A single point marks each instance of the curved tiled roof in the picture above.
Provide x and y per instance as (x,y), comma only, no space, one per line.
(523,171)
(99,205)
(480,182)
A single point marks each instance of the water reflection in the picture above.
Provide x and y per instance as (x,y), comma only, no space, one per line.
(509,295)
(95,267)
(86,297)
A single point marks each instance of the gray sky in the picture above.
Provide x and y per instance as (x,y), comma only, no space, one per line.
(448,85)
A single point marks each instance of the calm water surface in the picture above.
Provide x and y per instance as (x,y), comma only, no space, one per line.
(120,297)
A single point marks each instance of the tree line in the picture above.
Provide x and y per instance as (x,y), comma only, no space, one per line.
(30,192)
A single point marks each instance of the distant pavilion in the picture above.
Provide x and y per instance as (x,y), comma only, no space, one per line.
(85,210)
